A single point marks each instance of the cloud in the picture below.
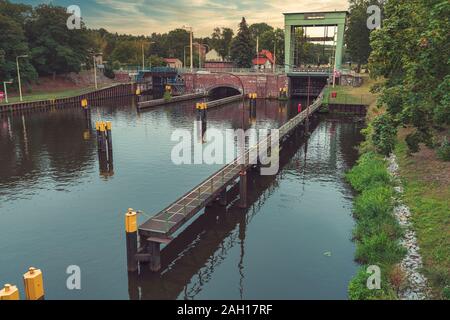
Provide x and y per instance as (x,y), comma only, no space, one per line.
(147,16)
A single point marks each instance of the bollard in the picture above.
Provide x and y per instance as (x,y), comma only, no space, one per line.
(9,292)
(109,134)
(34,284)
(102,127)
(299,108)
(131,238)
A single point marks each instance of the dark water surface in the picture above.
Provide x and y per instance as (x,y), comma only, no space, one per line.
(57,209)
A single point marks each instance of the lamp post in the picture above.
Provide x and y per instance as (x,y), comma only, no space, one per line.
(6,91)
(191,48)
(95,69)
(143,54)
(18,75)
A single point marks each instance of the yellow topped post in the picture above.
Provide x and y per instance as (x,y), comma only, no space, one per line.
(131,221)
(9,292)
(34,284)
(131,227)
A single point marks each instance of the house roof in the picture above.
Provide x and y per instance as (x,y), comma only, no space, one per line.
(172,60)
(263,57)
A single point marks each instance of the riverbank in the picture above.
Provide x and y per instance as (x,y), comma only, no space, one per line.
(410,209)
(63,86)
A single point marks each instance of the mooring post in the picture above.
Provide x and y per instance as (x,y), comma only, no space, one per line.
(9,292)
(243,189)
(109,134)
(131,239)
(33,282)
(103,136)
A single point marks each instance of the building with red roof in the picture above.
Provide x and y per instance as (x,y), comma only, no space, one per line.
(264,60)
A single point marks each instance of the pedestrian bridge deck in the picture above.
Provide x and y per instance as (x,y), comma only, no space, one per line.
(163,225)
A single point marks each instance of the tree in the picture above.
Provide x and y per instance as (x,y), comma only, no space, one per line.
(221,41)
(12,44)
(273,40)
(357,35)
(55,48)
(410,52)
(241,47)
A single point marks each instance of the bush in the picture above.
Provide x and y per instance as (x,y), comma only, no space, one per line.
(443,152)
(373,203)
(379,249)
(357,289)
(370,172)
(384,134)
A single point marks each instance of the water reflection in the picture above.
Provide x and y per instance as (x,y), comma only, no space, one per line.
(51,175)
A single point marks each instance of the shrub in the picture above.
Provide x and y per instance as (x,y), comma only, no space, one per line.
(370,172)
(374,203)
(443,152)
(379,249)
(384,134)
(357,289)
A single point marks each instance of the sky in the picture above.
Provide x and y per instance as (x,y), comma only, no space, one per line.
(143,17)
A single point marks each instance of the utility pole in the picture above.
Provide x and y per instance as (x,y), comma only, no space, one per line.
(95,73)
(143,56)
(191,39)
(18,75)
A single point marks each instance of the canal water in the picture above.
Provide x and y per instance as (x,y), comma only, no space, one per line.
(59,207)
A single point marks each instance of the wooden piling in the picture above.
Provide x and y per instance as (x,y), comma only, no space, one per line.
(131,239)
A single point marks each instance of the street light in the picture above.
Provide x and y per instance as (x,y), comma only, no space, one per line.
(95,68)
(191,39)
(4,87)
(143,54)
(18,74)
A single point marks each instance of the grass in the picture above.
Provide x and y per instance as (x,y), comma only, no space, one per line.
(352,95)
(429,200)
(52,95)
(377,231)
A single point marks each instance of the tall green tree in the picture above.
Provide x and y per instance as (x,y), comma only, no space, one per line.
(13,44)
(221,41)
(411,52)
(241,48)
(55,48)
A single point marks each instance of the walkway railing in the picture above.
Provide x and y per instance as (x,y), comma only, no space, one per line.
(169,220)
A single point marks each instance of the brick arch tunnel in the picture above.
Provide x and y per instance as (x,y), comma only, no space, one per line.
(223,91)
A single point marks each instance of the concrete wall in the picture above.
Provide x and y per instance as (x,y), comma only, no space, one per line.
(265,85)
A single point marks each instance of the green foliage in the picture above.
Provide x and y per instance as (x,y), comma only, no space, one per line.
(221,40)
(384,134)
(13,43)
(357,35)
(377,231)
(241,47)
(357,289)
(167,96)
(443,151)
(369,173)
(411,51)
(55,49)
(109,71)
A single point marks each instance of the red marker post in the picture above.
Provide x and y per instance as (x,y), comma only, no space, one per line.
(299,108)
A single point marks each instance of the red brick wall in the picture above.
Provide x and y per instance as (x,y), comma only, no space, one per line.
(265,85)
